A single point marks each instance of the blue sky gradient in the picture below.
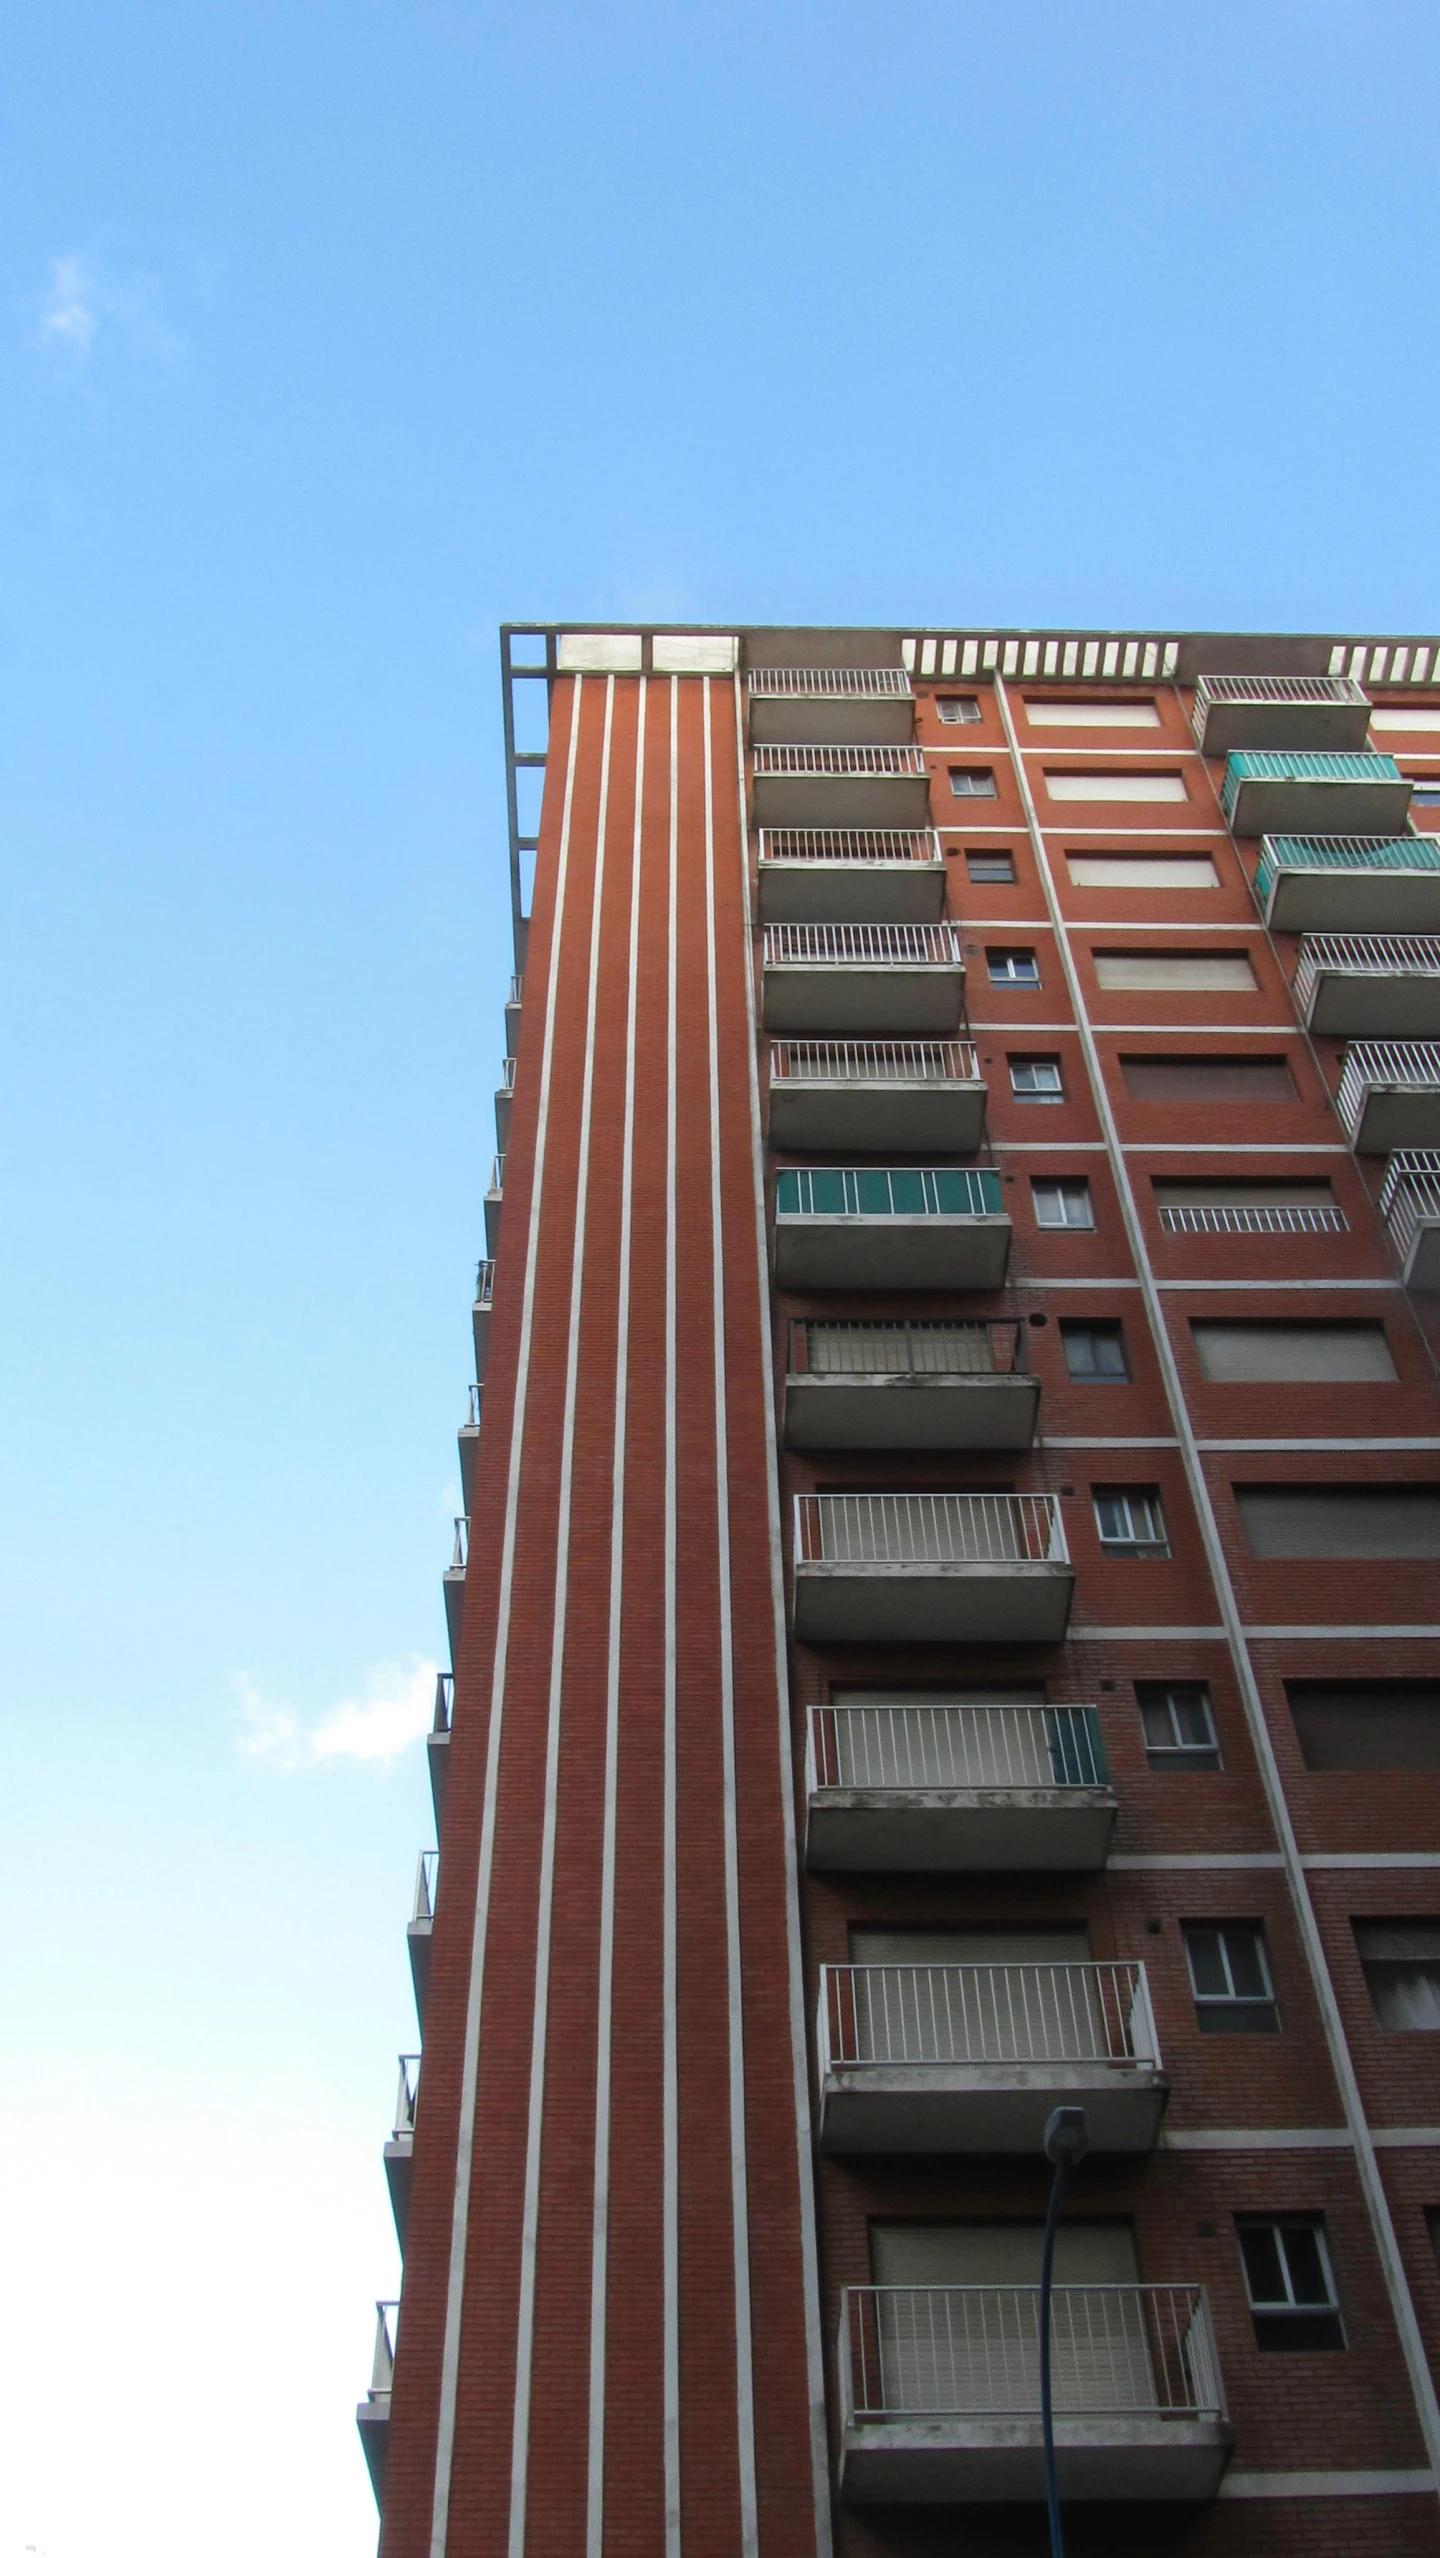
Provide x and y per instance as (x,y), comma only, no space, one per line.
(330,336)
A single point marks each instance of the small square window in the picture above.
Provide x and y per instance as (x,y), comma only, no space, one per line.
(1095,1353)
(1231,1979)
(972,781)
(993,870)
(1401,1963)
(1291,2289)
(1130,1519)
(1012,967)
(1425,795)
(1036,1079)
(1064,1203)
(958,710)
(1178,1726)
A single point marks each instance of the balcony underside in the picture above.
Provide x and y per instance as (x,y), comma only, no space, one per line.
(993,2460)
(417,1941)
(399,2160)
(891,1252)
(480,1327)
(837,999)
(1354,901)
(512,1029)
(493,1204)
(841,799)
(1293,804)
(1326,728)
(831,719)
(437,1752)
(932,1602)
(467,1441)
(984,2108)
(372,2418)
(943,1118)
(1359,1003)
(1061,1829)
(454,1611)
(910,1412)
(1422,1259)
(1397,1115)
(851,892)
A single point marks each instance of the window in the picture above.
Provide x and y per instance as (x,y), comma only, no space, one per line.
(1178,1726)
(1177,1198)
(1095,1352)
(972,781)
(1290,1353)
(1401,1963)
(1425,795)
(1223,1079)
(1344,1724)
(1142,870)
(1342,1522)
(1013,967)
(1113,786)
(1231,1979)
(1177,972)
(1128,713)
(958,710)
(1407,718)
(1036,1079)
(993,870)
(1292,2297)
(1063,1203)
(1130,1519)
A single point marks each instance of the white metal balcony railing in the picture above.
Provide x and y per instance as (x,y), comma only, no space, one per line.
(847,683)
(1311,691)
(382,2367)
(497,1176)
(1364,954)
(460,1552)
(874,1061)
(507,1075)
(485,1283)
(924,1349)
(1405,1065)
(911,1748)
(929,1527)
(865,945)
(444,1700)
(405,2095)
(517,990)
(427,1884)
(948,2015)
(839,763)
(849,844)
(1318,1218)
(473,1395)
(1410,1194)
(973,2350)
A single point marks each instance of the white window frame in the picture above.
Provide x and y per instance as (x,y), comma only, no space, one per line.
(959,710)
(1290,2307)
(1039,1092)
(1129,1495)
(1058,1187)
(1231,1997)
(973,781)
(1000,966)
(1176,1748)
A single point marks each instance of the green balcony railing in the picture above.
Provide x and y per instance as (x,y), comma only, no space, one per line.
(1341,852)
(1251,764)
(895,1191)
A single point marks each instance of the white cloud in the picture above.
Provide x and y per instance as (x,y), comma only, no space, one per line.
(87,292)
(69,315)
(395,1711)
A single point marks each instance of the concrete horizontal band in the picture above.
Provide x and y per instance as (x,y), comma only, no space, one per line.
(1341,1633)
(1145,1634)
(1300,2137)
(1385,1861)
(1329,2482)
(1261,1860)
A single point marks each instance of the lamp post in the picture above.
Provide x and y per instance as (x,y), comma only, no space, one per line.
(1067,2138)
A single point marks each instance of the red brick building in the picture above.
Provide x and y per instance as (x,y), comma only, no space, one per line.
(948,1617)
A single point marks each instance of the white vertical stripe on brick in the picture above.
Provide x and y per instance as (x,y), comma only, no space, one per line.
(600,2221)
(530,2214)
(670,2101)
(465,2145)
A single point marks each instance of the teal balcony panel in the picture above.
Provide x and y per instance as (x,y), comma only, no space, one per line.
(1359,794)
(1349,883)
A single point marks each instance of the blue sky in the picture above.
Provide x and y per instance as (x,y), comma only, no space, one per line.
(331,335)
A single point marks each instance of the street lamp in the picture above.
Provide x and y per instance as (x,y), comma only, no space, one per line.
(1067,2138)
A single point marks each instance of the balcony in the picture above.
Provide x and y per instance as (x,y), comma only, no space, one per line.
(400,2147)
(494,1201)
(422,1919)
(1349,883)
(940,2394)
(830,705)
(1363,794)
(1369,985)
(1324,711)
(908,978)
(851,875)
(1410,1206)
(504,1099)
(468,1441)
(950,1789)
(480,1313)
(931,1567)
(372,2416)
(437,1740)
(840,786)
(973,2057)
(1309,1218)
(909,1385)
(889,1227)
(513,1003)
(871,1094)
(455,1585)
(1389,1095)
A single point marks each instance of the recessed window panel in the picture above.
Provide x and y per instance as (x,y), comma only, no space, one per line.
(1287,1352)
(1142,870)
(1125,785)
(1176,972)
